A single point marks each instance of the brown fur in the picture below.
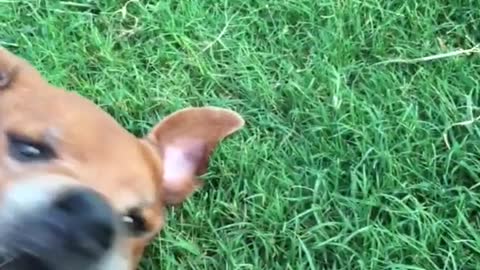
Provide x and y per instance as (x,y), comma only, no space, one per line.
(95,151)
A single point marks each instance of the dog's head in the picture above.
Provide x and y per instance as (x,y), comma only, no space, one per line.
(79,192)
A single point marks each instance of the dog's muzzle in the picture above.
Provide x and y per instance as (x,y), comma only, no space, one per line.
(74,231)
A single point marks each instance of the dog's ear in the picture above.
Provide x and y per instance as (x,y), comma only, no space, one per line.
(185,140)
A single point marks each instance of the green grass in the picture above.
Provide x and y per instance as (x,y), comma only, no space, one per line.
(343,164)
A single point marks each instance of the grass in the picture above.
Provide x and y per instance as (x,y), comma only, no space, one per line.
(343,164)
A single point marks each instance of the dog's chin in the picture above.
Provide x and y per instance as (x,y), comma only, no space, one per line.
(28,261)
(25,261)
(73,231)
(34,248)
(22,262)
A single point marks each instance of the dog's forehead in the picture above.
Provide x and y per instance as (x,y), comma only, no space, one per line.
(51,106)
(98,149)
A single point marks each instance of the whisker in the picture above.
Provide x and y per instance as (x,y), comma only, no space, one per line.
(7,261)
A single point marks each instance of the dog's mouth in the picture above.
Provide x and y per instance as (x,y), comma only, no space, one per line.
(40,245)
(22,262)
(40,248)
(26,261)
(76,231)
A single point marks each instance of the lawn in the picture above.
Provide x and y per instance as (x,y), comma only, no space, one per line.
(350,159)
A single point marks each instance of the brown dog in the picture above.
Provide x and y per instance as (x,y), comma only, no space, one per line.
(77,191)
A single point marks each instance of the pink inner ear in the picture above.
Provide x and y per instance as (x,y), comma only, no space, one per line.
(181,160)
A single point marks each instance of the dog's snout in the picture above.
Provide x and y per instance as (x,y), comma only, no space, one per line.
(75,224)
(88,214)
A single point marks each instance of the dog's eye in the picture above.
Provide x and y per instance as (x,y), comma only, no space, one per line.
(26,150)
(134,222)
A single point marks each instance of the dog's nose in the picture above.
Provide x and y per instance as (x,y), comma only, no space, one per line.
(89,217)
(74,231)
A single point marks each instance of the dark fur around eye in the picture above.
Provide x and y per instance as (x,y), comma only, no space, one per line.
(134,222)
(7,77)
(24,149)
